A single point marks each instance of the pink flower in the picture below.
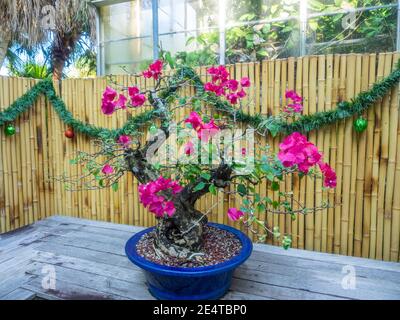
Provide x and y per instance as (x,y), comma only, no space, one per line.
(147,74)
(207,131)
(121,102)
(108,103)
(221,84)
(109,94)
(245,82)
(189,148)
(107,169)
(297,150)
(124,140)
(154,70)
(138,100)
(232,85)
(195,120)
(234,214)
(133,91)
(107,107)
(244,151)
(241,94)
(329,175)
(218,74)
(294,107)
(291,94)
(157,204)
(232,98)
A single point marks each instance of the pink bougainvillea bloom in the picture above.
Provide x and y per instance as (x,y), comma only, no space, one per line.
(245,82)
(294,107)
(107,107)
(107,169)
(232,84)
(219,74)
(157,204)
(232,98)
(241,93)
(195,120)
(209,86)
(121,102)
(291,94)
(154,70)
(124,140)
(169,208)
(147,74)
(189,148)
(329,175)
(132,91)
(244,151)
(138,100)
(109,94)
(107,102)
(234,214)
(297,150)
(207,131)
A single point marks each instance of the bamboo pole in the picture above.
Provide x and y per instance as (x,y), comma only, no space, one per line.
(392,146)
(368,165)
(339,157)
(375,165)
(311,87)
(383,164)
(360,180)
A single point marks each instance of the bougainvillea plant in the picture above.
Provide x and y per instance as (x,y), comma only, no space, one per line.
(201,152)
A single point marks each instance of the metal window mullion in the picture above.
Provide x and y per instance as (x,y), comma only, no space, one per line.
(398,27)
(303,27)
(222,27)
(154,8)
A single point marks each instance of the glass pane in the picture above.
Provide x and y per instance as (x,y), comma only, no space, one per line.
(189,30)
(260,29)
(126,35)
(321,6)
(127,55)
(364,31)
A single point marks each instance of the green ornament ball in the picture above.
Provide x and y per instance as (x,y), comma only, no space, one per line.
(9,130)
(360,124)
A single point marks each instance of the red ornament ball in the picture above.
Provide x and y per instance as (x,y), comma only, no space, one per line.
(69,133)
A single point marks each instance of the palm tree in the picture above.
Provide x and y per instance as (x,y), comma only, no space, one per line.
(21,23)
(74,19)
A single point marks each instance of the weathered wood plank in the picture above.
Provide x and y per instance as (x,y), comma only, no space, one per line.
(19,294)
(90,263)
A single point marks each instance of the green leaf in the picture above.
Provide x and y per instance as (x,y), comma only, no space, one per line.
(212,189)
(206,176)
(242,190)
(275,186)
(115,186)
(199,187)
(101,183)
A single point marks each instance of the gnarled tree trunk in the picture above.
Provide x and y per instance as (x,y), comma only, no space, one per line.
(181,235)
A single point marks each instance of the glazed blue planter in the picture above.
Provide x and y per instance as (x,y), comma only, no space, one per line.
(200,283)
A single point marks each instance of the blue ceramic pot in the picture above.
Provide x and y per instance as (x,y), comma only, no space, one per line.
(200,283)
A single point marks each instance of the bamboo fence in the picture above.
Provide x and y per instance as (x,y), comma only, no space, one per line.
(366,224)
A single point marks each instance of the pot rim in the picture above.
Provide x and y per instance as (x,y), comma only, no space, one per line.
(247,247)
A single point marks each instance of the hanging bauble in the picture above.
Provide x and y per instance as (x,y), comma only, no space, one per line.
(9,130)
(69,133)
(360,124)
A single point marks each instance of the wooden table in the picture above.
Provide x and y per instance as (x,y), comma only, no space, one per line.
(87,260)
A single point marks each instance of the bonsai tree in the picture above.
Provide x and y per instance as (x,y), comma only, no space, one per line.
(183,161)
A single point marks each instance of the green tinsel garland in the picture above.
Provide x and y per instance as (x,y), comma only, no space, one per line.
(273,124)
